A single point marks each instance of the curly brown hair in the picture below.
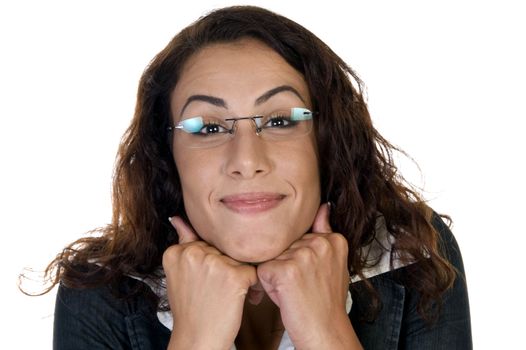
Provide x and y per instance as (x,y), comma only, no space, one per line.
(357,169)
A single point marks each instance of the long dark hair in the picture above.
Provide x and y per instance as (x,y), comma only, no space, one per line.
(357,171)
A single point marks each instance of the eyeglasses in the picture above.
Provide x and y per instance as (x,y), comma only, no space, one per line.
(206,132)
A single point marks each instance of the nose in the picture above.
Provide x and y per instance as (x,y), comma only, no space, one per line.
(246,154)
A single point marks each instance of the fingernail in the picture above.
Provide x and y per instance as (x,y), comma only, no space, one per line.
(170,218)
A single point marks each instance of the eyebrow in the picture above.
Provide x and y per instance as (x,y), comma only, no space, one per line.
(216,101)
(219,102)
(267,95)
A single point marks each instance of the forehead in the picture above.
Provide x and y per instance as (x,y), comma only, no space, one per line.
(237,72)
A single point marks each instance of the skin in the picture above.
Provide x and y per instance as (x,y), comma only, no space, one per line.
(239,74)
(235,273)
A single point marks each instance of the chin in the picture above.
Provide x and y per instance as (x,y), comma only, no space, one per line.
(254,255)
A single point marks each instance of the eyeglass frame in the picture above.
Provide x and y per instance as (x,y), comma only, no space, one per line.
(232,129)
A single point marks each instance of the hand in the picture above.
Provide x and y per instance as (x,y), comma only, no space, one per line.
(206,292)
(309,282)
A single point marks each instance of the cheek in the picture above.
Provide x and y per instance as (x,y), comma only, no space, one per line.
(309,178)
(302,164)
(300,169)
(196,173)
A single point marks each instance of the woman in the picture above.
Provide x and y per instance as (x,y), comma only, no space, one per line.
(289,226)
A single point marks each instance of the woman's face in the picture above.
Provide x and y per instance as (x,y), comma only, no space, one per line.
(249,197)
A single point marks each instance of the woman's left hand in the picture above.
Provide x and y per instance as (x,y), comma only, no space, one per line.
(309,283)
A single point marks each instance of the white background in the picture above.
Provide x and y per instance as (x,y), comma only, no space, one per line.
(445,82)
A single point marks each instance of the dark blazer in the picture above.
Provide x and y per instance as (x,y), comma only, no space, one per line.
(399,326)
(96,319)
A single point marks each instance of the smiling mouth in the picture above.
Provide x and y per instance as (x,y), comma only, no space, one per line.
(252,203)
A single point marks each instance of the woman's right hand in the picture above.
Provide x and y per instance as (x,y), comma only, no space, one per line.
(206,292)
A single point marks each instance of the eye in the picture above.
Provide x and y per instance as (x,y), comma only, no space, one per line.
(212,128)
(279,120)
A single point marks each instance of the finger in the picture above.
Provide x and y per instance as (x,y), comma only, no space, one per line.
(186,233)
(251,279)
(251,274)
(321,221)
(267,274)
(287,254)
(305,240)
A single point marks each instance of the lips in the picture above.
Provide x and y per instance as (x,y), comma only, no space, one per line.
(252,203)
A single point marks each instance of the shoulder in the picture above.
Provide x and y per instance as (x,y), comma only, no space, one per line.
(103,318)
(96,302)
(398,324)
(448,244)
(381,258)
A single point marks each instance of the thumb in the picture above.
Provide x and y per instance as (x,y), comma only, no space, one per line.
(186,233)
(321,221)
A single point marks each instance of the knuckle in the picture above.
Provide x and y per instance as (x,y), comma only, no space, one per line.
(265,271)
(192,253)
(338,238)
(212,262)
(340,242)
(304,254)
(320,244)
(170,255)
(232,276)
(291,271)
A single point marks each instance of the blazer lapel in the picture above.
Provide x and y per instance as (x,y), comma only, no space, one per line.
(382,332)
